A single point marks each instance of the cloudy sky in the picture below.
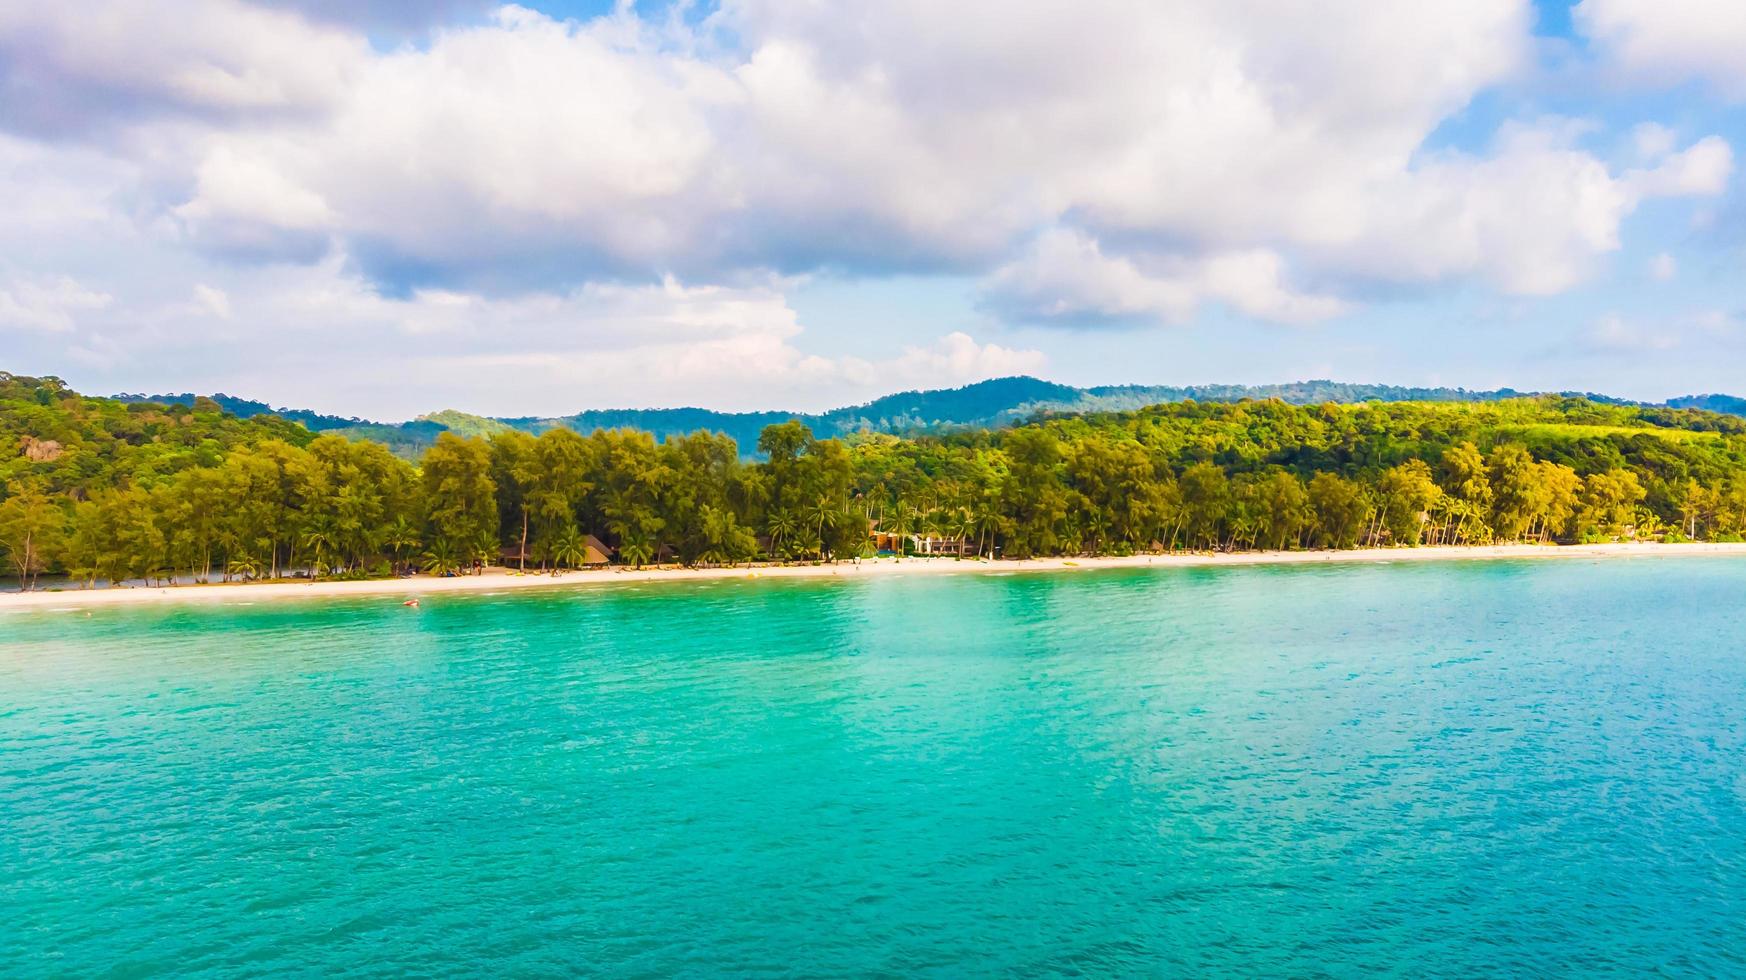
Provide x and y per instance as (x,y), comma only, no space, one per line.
(382,208)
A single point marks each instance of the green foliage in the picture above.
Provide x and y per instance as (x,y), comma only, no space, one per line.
(102,490)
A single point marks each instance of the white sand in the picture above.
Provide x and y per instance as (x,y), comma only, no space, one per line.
(498,580)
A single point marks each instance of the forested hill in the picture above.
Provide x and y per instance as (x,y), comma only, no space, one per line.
(103,490)
(986,404)
(244,408)
(1725,404)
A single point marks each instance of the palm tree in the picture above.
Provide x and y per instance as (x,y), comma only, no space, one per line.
(961,525)
(823,515)
(1648,525)
(781,525)
(440,560)
(400,538)
(484,550)
(570,549)
(902,522)
(635,550)
(320,540)
(245,567)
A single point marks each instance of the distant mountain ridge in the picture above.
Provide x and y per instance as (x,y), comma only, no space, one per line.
(985,404)
(244,408)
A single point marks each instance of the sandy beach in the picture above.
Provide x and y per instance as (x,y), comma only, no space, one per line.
(499,580)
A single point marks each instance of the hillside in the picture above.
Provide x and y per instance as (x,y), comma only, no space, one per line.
(55,435)
(987,404)
(244,408)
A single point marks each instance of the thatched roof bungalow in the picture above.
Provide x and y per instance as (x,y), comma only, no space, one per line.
(596,553)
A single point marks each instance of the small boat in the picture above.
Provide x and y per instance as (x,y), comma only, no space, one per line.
(411,602)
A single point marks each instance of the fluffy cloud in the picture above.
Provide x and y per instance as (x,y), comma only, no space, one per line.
(1700,169)
(1066,277)
(957,358)
(1670,41)
(320,336)
(1531,217)
(72,69)
(1228,139)
(823,141)
(611,206)
(47,305)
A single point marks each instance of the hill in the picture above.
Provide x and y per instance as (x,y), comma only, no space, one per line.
(986,404)
(244,408)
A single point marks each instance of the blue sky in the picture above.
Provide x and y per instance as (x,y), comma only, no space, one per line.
(384,208)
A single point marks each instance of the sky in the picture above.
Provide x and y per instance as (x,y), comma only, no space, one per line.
(384,208)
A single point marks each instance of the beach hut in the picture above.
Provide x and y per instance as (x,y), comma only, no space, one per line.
(596,553)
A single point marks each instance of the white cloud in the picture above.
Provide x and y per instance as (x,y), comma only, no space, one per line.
(320,336)
(527,152)
(50,305)
(1663,267)
(1653,140)
(1722,325)
(1066,277)
(1700,169)
(211,301)
(956,359)
(1669,41)
(1530,218)
(1251,281)
(609,206)
(1614,334)
(1689,341)
(117,63)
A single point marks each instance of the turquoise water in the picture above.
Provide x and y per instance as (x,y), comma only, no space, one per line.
(1427,769)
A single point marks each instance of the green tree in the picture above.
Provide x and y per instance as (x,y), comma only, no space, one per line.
(1206,503)
(1408,495)
(31,530)
(460,496)
(1339,509)
(1285,511)
(1609,502)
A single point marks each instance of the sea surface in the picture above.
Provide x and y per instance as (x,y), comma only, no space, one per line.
(1424,769)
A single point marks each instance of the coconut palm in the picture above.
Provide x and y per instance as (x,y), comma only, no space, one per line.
(636,551)
(441,560)
(320,541)
(821,515)
(401,539)
(901,521)
(781,526)
(569,548)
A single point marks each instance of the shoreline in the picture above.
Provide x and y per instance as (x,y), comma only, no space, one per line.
(499,580)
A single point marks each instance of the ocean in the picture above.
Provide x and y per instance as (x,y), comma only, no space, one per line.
(1428,769)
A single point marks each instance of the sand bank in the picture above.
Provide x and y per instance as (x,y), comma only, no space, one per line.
(499,580)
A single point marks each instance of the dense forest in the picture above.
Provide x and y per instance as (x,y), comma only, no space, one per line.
(108,491)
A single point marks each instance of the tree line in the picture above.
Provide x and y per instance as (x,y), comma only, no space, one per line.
(106,492)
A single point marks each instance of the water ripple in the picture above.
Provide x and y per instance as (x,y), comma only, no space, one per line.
(1478,768)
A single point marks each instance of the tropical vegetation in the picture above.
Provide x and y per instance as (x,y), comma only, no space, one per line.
(101,490)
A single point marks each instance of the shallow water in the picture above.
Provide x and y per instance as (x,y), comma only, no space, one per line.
(1429,769)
